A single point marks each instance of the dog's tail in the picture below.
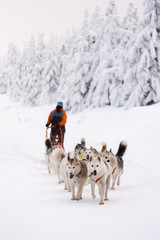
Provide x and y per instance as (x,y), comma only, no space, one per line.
(104,147)
(48,143)
(83,142)
(122,148)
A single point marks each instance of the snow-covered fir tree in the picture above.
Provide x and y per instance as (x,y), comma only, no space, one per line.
(129,26)
(77,84)
(51,72)
(142,61)
(32,78)
(12,80)
(3,77)
(106,59)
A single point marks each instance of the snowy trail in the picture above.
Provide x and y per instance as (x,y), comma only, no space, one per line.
(34,206)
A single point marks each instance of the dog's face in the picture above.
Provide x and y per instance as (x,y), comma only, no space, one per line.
(79,148)
(109,158)
(88,153)
(95,165)
(72,167)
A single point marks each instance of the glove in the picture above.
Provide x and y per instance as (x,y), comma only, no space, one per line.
(57,125)
(47,125)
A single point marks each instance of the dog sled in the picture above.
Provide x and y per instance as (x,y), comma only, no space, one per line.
(56,138)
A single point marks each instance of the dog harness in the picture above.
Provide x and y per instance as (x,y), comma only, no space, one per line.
(107,166)
(97,178)
(113,170)
(79,155)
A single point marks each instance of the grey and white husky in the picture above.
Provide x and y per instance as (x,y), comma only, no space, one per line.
(100,174)
(77,176)
(79,149)
(115,160)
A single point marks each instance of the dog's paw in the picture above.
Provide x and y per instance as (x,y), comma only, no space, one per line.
(101,203)
(106,199)
(113,188)
(93,196)
(73,198)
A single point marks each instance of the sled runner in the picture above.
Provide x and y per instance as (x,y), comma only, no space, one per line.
(56,138)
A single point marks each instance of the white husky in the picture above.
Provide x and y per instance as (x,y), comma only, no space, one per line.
(77,176)
(55,161)
(100,174)
(49,155)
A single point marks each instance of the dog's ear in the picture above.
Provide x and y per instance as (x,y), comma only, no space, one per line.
(85,148)
(90,159)
(99,159)
(110,150)
(75,158)
(69,156)
(83,142)
(91,148)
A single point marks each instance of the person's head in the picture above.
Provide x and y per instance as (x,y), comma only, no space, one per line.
(59,106)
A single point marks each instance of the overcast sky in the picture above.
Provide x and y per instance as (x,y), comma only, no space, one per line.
(19,19)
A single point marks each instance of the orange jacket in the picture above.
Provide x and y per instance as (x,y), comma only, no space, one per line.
(64,118)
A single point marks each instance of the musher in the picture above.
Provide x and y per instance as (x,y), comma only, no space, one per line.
(58,119)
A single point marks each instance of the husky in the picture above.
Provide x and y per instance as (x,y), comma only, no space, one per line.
(56,157)
(87,154)
(49,151)
(77,176)
(116,162)
(63,172)
(90,152)
(100,174)
(107,156)
(79,149)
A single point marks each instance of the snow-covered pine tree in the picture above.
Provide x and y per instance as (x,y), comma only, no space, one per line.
(12,75)
(69,56)
(52,70)
(129,26)
(3,77)
(32,77)
(106,59)
(142,62)
(96,22)
(77,84)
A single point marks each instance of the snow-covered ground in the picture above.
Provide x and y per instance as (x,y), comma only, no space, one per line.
(34,206)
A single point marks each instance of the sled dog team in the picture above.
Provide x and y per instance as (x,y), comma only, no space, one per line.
(86,165)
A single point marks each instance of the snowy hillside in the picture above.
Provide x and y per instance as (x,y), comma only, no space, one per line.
(34,206)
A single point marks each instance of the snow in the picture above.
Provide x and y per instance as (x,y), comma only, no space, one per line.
(34,206)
